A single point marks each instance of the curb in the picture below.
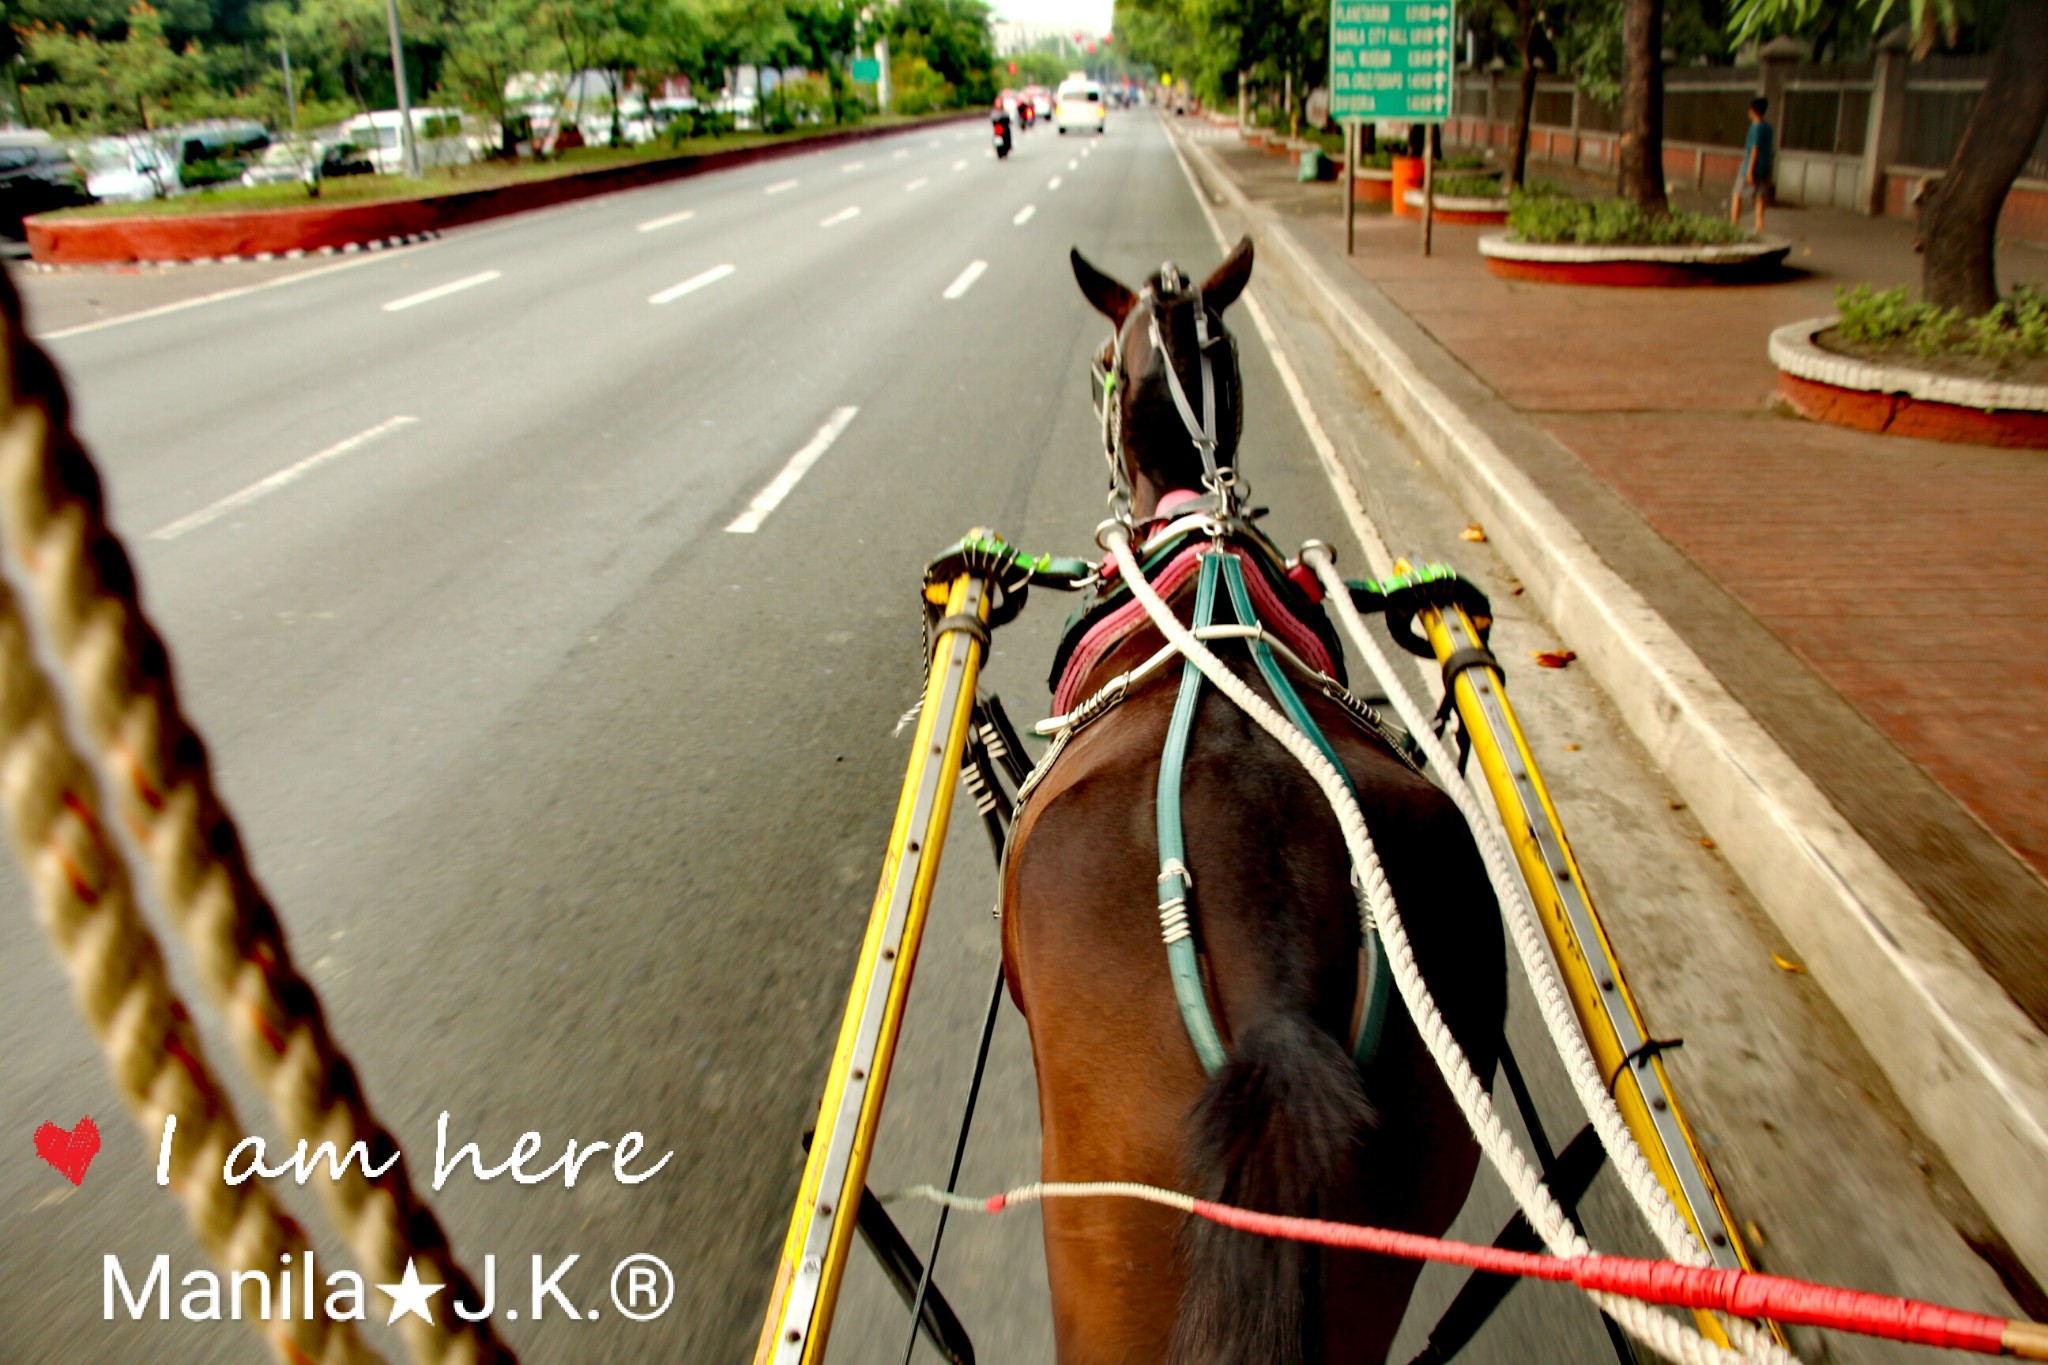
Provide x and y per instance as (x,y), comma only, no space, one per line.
(1967,1063)
(262,234)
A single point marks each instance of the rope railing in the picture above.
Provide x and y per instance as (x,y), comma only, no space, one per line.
(112,678)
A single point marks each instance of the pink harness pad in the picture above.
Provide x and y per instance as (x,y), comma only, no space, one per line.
(1105,635)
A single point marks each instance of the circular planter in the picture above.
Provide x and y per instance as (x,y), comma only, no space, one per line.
(1631,266)
(1461,209)
(1278,144)
(1901,400)
(1255,137)
(1369,186)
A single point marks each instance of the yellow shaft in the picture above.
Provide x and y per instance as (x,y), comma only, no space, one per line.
(821,1227)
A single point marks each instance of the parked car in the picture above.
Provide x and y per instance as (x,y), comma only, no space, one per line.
(217,151)
(1079,105)
(35,177)
(130,170)
(437,133)
(283,162)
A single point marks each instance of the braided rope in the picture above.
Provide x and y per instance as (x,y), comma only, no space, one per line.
(1656,1330)
(121,693)
(86,905)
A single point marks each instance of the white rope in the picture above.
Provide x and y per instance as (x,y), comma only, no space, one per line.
(1666,1336)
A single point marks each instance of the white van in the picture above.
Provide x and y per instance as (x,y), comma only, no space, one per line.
(439,134)
(129,170)
(1079,105)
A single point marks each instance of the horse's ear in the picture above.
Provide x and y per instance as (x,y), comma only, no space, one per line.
(1222,287)
(1111,299)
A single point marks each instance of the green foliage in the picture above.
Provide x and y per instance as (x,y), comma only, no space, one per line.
(1036,68)
(796,104)
(696,123)
(1550,217)
(96,86)
(2016,329)
(1468,187)
(916,88)
(1749,20)
(953,40)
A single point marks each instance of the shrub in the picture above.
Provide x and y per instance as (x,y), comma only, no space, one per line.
(795,104)
(918,88)
(1550,217)
(2017,329)
(1468,187)
(699,122)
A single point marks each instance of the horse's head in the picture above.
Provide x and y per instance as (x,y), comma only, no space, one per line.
(1166,381)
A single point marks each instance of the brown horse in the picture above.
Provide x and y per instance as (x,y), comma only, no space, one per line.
(1289,1124)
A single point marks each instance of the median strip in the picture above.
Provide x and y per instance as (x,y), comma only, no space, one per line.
(263,488)
(693,284)
(655,225)
(778,488)
(965,281)
(442,291)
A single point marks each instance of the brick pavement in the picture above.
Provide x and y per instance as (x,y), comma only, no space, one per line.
(1910,576)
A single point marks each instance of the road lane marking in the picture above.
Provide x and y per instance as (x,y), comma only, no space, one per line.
(966,280)
(1053,183)
(290,474)
(935,142)
(1024,214)
(917,184)
(959,165)
(693,284)
(779,186)
(850,211)
(442,291)
(1074,165)
(657,224)
(853,165)
(766,501)
(900,152)
(221,297)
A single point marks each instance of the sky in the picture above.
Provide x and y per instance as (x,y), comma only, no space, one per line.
(1091,15)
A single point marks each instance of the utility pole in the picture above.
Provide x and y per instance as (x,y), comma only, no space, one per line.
(882,91)
(412,151)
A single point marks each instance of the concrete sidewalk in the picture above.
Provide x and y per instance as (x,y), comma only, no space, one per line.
(1870,602)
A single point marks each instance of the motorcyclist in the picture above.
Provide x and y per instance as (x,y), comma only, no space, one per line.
(1000,119)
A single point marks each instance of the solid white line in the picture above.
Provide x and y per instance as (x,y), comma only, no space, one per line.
(1053,183)
(851,211)
(966,280)
(1024,214)
(959,165)
(765,501)
(220,297)
(288,475)
(917,184)
(442,291)
(779,186)
(693,284)
(657,224)
(853,165)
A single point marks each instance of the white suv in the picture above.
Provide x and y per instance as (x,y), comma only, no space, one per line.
(1079,105)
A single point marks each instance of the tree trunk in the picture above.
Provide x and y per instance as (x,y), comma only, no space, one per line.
(1959,215)
(1642,105)
(1525,103)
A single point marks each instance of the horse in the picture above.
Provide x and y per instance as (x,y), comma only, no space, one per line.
(1289,1123)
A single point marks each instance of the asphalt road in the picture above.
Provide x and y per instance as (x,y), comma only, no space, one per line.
(573,799)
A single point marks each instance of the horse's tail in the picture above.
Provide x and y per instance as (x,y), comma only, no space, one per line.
(1279,1129)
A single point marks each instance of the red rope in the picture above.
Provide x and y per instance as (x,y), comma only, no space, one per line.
(1743,1293)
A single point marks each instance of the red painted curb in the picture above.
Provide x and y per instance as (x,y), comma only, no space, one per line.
(1626,274)
(198,236)
(1896,414)
(1372,191)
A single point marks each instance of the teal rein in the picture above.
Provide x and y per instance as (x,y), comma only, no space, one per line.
(1176,883)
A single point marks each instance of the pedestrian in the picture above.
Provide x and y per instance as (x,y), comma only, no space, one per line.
(1753,180)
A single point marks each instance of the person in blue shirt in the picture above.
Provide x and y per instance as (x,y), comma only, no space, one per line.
(1753,179)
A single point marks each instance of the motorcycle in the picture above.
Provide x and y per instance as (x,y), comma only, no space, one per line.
(1001,135)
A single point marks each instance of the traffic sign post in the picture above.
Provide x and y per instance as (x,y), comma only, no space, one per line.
(1392,59)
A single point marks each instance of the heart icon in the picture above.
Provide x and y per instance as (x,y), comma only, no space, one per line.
(69,1152)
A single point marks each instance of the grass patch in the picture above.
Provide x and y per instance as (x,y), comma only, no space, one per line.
(1886,320)
(1468,187)
(1547,216)
(1382,159)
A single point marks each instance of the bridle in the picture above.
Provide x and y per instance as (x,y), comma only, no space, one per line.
(1219,481)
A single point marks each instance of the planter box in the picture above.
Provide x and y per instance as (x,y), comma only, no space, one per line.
(1463,210)
(1632,266)
(1901,400)
(1370,186)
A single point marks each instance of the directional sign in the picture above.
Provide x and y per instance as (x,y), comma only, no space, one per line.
(1391,59)
(870,70)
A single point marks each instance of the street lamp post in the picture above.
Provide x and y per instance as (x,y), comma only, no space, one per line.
(412,151)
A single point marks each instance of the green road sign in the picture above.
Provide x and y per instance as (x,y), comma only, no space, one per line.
(867,69)
(1391,59)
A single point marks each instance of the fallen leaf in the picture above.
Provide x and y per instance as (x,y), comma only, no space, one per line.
(1571,748)
(1756,1234)
(1552,658)
(1517,592)
(1474,532)
(1705,842)
(1786,964)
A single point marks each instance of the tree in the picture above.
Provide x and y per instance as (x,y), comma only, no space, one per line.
(109,86)
(952,36)
(1959,217)
(1642,106)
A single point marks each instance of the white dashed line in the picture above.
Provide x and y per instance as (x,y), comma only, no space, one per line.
(693,284)
(765,501)
(1074,165)
(657,224)
(1024,214)
(853,165)
(779,186)
(849,212)
(917,184)
(290,474)
(935,142)
(441,291)
(1053,183)
(966,281)
(899,153)
(959,165)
